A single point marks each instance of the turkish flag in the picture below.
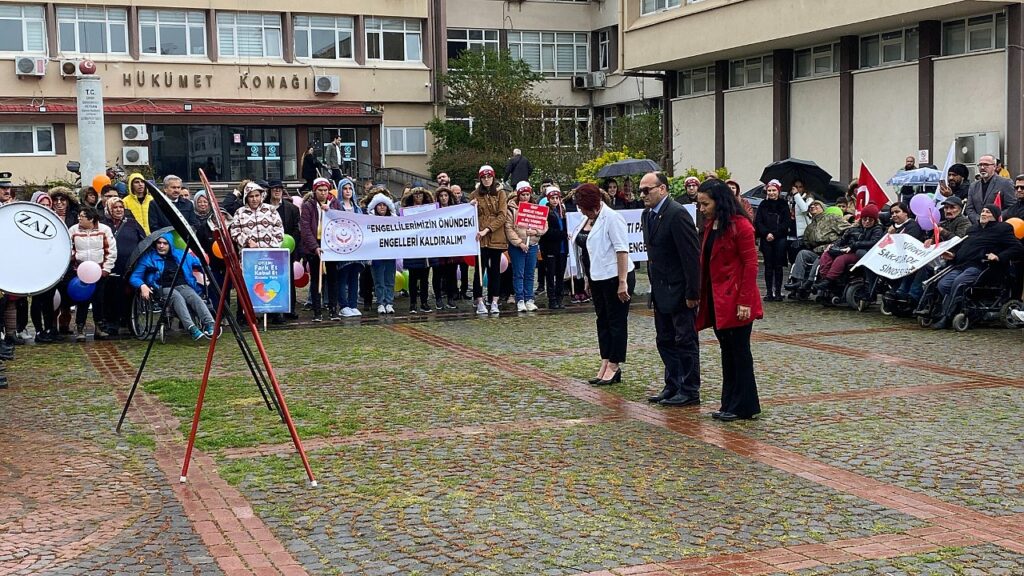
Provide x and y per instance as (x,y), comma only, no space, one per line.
(869,191)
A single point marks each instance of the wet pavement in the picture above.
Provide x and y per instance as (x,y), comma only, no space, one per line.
(458,445)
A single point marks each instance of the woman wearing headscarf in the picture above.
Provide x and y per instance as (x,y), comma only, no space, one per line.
(491,203)
(348,271)
(127,235)
(315,204)
(729,298)
(771,225)
(601,248)
(256,224)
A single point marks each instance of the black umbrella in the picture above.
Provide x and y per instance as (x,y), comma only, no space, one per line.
(145,245)
(787,171)
(627,167)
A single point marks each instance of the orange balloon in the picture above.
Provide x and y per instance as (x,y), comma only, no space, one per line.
(99,182)
(1018,227)
(216,250)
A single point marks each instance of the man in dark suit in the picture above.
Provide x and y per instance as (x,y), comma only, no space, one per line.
(673,265)
(986,189)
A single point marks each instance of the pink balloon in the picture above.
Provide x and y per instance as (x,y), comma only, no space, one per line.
(89,272)
(56,299)
(298,270)
(504,263)
(297,200)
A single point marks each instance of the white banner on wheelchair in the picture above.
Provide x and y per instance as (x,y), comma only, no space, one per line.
(898,255)
(443,232)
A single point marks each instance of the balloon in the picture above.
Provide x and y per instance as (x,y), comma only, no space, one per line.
(297,201)
(925,222)
(469,260)
(458,273)
(504,262)
(543,201)
(288,242)
(920,204)
(56,299)
(216,250)
(834,210)
(99,182)
(1018,227)
(178,241)
(298,270)
(78,291)
(399,265)
(936,214)
(89,272)
(399,282)
(302,281)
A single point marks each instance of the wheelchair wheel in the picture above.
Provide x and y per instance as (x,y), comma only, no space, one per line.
(961,322)
(142,317)
(1009,320)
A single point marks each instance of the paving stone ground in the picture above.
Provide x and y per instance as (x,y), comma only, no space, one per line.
(459,445)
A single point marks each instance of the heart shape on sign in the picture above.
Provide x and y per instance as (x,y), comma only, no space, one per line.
(266,291)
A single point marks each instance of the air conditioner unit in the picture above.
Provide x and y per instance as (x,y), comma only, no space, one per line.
(30,65)
(135,155)
(69,69)
(326,84)
(974,145)
(590,81)
(134,132)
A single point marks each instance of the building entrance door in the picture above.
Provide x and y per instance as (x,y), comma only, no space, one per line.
(355,148)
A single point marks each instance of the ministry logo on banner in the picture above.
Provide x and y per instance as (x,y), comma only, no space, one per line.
(444,232)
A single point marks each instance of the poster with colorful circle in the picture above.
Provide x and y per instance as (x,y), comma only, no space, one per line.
(267,274)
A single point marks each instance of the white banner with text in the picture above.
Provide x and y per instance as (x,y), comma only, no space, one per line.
(899,255)
(437,233)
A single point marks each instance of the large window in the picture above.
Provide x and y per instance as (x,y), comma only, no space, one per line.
(974,34)
(245,34)
(750,71)
(817,61)
(553,54)
(22,28)
(324,37)
(172,32)
(697,81)
(92,30)
(652,6)
(26,140)
(405,140)
(889,48)
(394,40)
(460,40)
(566,127)
(604,42)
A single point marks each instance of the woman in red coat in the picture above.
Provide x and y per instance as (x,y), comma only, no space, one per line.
(729,297)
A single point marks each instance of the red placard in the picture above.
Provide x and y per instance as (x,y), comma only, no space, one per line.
(531,216)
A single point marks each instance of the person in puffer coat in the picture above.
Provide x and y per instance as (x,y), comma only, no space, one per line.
(256,224)
(92,242)
(771,224)
(842,254)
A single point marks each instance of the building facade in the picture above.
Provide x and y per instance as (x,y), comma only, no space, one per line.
(752,81)
(241,92)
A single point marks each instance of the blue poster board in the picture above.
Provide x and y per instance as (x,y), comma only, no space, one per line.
(267,274)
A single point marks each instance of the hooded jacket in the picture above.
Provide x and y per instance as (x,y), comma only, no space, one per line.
(261,225)
(355,196)
(71,213)
(140,210)
(127,235)
(381,198)
(309,221)
(859,238)
(150,267)
(407,198)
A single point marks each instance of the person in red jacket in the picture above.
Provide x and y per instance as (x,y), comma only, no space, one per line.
(729,297)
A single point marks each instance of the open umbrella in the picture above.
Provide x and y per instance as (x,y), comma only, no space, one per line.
(918,177)
(144,245)
(787,171)
(627,167)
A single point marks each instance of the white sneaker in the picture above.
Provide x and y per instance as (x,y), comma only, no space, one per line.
(481,308)
(520,306)
(390,309)
(1018,314)
(356,312)
(381,309)
(530,306)
(494,308)
(346,312)
(24,335)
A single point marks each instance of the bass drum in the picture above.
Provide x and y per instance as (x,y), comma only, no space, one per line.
(35,248)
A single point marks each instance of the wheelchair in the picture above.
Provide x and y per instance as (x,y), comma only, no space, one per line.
(991,298)
(851,290)
(145,317)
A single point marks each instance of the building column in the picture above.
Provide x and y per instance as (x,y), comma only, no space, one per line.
(287,37)
(439,25)
(849,60)
(51,30)
(360,40)
(782,74)
(212,49)
(721,83)
(668,92)
(929,46)
(1013,156)
(134,39)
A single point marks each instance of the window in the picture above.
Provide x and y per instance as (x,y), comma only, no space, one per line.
(889,48)
(566,127)
(26,140)
(460,40)
(405,141)
(817,61)
(172,32)
(394,39)
(697,81)
(974,34)
(22,29)
(611,114)
(652,6)
(750,71)
(92,30)
(604,41)
(554,54)
(245,34)
(324,37)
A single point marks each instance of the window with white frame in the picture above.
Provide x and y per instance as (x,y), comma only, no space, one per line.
(553,54)
(611,116)
(394,39)
(324,37)
(750,71)
(889,48)
(22,28)
(172,32)
(462,39)
(26,140)
(566,127)
(817,61)
(696,81)
(92,30)
(604,45)
(974,34)
(652,6)
(405,140)
(249,34)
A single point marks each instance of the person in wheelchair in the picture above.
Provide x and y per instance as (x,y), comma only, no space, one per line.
(822,230)
(988,242)
(155,273)
(842,254)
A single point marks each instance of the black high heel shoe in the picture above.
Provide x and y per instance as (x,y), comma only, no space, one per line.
(615,379)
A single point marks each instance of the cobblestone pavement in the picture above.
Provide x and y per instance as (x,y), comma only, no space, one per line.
(458,445)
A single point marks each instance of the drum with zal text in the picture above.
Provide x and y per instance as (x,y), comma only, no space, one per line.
(35,248)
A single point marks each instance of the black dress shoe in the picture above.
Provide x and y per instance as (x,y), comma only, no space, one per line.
(664,394)
(717,414)
(727,416)
(594,380)
(615,379)
(941,324)
(680,400)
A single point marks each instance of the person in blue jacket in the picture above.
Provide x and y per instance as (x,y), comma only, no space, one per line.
(155,270)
